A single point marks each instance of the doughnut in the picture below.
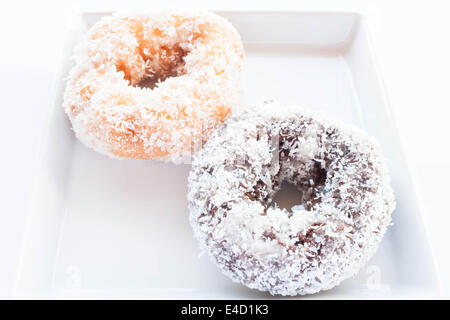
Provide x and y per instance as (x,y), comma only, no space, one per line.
(153,86)
(344,208)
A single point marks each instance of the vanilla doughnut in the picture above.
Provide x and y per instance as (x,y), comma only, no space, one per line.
(345,208)
(194,60)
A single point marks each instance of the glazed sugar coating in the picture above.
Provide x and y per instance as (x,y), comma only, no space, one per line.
(192,58)
(346,200)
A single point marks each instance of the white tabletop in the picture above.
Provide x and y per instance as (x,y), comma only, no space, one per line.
(411,39)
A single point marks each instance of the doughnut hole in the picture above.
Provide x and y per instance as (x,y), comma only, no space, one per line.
(287,196)
(305,191)
(165,63)
(300,177)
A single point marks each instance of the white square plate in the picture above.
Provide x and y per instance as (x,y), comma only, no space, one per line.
(105,228)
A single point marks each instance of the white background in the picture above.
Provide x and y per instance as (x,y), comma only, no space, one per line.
(411,39)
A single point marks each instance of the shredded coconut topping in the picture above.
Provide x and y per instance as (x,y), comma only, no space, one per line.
(346,200)
(194,60)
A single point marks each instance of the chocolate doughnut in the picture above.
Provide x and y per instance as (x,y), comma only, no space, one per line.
(345,204)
